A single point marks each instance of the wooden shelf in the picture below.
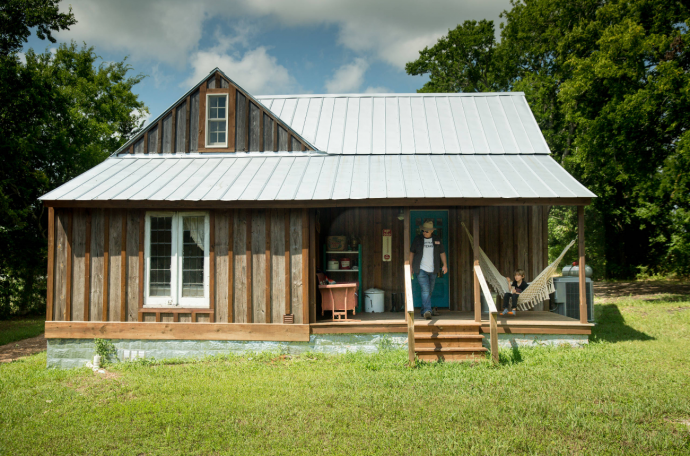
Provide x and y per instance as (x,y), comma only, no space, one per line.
(342,251)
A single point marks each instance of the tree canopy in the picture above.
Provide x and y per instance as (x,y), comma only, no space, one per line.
(61,113)
(608,84)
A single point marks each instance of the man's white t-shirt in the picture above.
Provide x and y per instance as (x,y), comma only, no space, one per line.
(428,256)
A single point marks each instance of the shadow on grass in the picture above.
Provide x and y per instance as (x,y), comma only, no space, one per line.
(611,327)
(515,357)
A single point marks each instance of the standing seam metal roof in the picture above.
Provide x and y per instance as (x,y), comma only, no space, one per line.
(317,176)
(477,123)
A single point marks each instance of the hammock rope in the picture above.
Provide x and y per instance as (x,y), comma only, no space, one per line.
(538,290)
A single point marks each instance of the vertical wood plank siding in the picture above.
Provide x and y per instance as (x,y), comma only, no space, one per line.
(259,268)
(181,128)
(140,295)
(254,128)
(152,147)
(212,263)
(282,139)
(61,247)
(194,122)
(68,269)
(231,265)
(97,264)
(268,133)
(240,122)
(51,265)
(167,135)
(201,114)
(507,227)
(106,261)
(78,263)
(87,268)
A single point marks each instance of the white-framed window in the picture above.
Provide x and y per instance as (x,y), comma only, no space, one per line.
(216,120)
(177,259)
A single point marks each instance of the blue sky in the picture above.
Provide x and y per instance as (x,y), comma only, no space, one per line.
(268,46)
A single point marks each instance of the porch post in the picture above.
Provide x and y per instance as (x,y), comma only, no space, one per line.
(475,248)
(406,244)
(581,245)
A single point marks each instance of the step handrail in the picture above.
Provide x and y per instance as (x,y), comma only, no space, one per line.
(493,312)
(409,308)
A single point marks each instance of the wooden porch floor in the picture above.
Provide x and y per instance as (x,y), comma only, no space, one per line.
(524,323)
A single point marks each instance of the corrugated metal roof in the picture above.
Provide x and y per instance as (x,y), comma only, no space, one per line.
(318,176)
(476,123)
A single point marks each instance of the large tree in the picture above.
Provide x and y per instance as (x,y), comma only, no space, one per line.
(60,114)
(608,83)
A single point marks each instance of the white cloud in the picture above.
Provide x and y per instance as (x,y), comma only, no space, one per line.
(348,78)
(22,57)
(256,71)
(170,31)
(162,30)
(377,89)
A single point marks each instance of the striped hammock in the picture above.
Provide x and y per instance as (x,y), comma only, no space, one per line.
(538,290)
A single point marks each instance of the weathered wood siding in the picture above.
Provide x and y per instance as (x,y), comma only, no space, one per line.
(181,127)
(139,146)
(153,140)
(507,235)
(194,122)
(167,135)
(268,132)
(241,122)
(282,139)
(252,281)
(254,128)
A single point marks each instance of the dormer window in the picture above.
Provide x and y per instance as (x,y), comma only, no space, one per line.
(217,121)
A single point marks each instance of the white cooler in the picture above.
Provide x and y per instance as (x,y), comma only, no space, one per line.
(373,300)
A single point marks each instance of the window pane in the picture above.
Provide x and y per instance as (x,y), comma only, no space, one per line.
(216,132)
(161,252)
(193,256)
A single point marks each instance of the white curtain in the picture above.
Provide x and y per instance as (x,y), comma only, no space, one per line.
(195,226)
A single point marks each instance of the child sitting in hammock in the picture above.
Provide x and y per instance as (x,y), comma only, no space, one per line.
(518,286)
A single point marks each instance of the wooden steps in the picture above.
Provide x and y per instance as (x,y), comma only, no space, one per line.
(448,342)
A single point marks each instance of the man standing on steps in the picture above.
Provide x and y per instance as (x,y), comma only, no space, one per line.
(427,256)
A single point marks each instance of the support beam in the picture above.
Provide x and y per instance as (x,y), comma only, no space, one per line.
(475,235)
(51,264)
(493,336)
(406,244)
(581,248)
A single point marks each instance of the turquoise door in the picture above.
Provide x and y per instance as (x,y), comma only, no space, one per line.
(440,296)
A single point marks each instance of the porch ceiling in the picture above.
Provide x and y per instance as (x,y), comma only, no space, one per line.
(285,177)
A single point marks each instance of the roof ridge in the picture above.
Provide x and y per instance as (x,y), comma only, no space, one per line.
(392,95)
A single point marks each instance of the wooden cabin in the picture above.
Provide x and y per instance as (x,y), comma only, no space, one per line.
(212,224)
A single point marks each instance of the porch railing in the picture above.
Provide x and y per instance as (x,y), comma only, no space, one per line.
(409,308)
(493,313)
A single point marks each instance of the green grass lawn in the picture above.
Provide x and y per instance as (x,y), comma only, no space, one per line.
(23,328)
(628,392)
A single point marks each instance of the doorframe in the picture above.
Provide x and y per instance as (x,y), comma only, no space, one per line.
(446,209)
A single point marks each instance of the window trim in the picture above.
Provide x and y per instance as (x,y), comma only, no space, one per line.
(175,300)
(208,120)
